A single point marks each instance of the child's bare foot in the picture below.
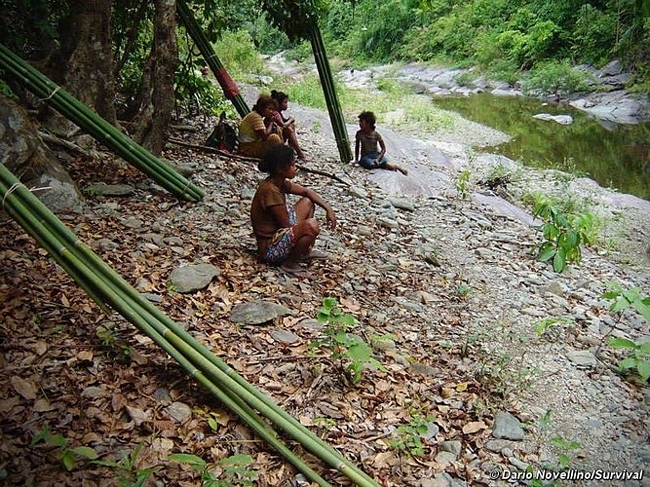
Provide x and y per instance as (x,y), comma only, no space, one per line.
(316,255)
(402,170)
(295,271)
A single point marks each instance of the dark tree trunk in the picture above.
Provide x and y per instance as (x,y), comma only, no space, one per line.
(155,115)
(87,50)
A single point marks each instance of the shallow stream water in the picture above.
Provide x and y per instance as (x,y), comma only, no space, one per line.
(616,156)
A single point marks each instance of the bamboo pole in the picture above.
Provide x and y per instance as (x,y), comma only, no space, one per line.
(329,90)
(86,267)
(107,292)
(99,128)
(229,87)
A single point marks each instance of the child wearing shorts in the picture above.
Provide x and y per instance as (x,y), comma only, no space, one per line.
(286,235)
(368,141)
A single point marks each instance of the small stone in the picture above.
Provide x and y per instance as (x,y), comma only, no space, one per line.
(285,336)
(191,278)
(257,312)
(507,426)
(179,412)
(454,447)
(582,358)
(445,458)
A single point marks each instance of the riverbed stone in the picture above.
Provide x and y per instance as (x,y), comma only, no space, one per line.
(190,278)
(507,426)
(257,312)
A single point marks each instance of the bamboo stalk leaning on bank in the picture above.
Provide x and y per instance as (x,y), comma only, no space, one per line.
(110,290)
(100,129)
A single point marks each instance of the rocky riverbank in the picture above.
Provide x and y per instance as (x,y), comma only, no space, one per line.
(444,288)
(482,247)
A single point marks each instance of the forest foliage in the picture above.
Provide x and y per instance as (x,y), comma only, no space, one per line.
(503,38)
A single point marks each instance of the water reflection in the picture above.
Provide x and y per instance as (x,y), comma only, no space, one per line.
(617,156)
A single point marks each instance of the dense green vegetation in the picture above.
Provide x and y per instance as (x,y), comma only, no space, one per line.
(536,40)
(502,37)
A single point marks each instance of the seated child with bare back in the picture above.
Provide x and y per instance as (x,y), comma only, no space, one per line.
(368,142)
(286,235)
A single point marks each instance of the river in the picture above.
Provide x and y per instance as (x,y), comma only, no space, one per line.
(616,156)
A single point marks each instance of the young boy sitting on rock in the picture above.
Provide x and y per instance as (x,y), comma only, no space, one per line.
(286,235)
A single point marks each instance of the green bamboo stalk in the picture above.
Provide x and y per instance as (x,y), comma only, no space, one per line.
(329,90)
(116,285)
(72,108)
(196,33)
(26,220)
(105,132)
(83,116)
(298,433)
(104,291)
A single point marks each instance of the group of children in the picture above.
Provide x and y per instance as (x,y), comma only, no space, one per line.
(286,234)
(266,126)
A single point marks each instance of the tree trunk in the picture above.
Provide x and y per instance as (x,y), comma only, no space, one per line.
(25,155)
(155,115)
(87,50)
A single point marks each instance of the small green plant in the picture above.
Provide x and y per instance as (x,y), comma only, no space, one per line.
(109,339)
(351,352)
(463,290)
(462,184)
(235,470)
(563,235)
(638,357)
(566,447)
(67,454)
(128,473)
(542,326)
(409,436)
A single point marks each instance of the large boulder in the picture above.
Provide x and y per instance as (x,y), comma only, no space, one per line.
(22,151)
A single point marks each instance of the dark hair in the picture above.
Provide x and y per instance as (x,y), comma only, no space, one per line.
(262,102)
(368,117)
(279,96)
(276,158)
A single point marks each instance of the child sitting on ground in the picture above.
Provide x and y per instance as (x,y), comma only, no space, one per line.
(288,125)
(286,235)
(255,137)
(367,140)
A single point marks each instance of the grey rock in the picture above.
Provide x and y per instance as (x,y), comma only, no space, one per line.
(93,392)
(515,462)
(312,324)
(110,189)
(387,222)
(454,447)
(582,358)
(191,278)
(507,426)
(179,412)
(285,336)
(445,458)
(58,195)
(154,298)
(402,204)
(106,244)
(132,222)
(257,312)
(561,119)
(365,231)
(162,395)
